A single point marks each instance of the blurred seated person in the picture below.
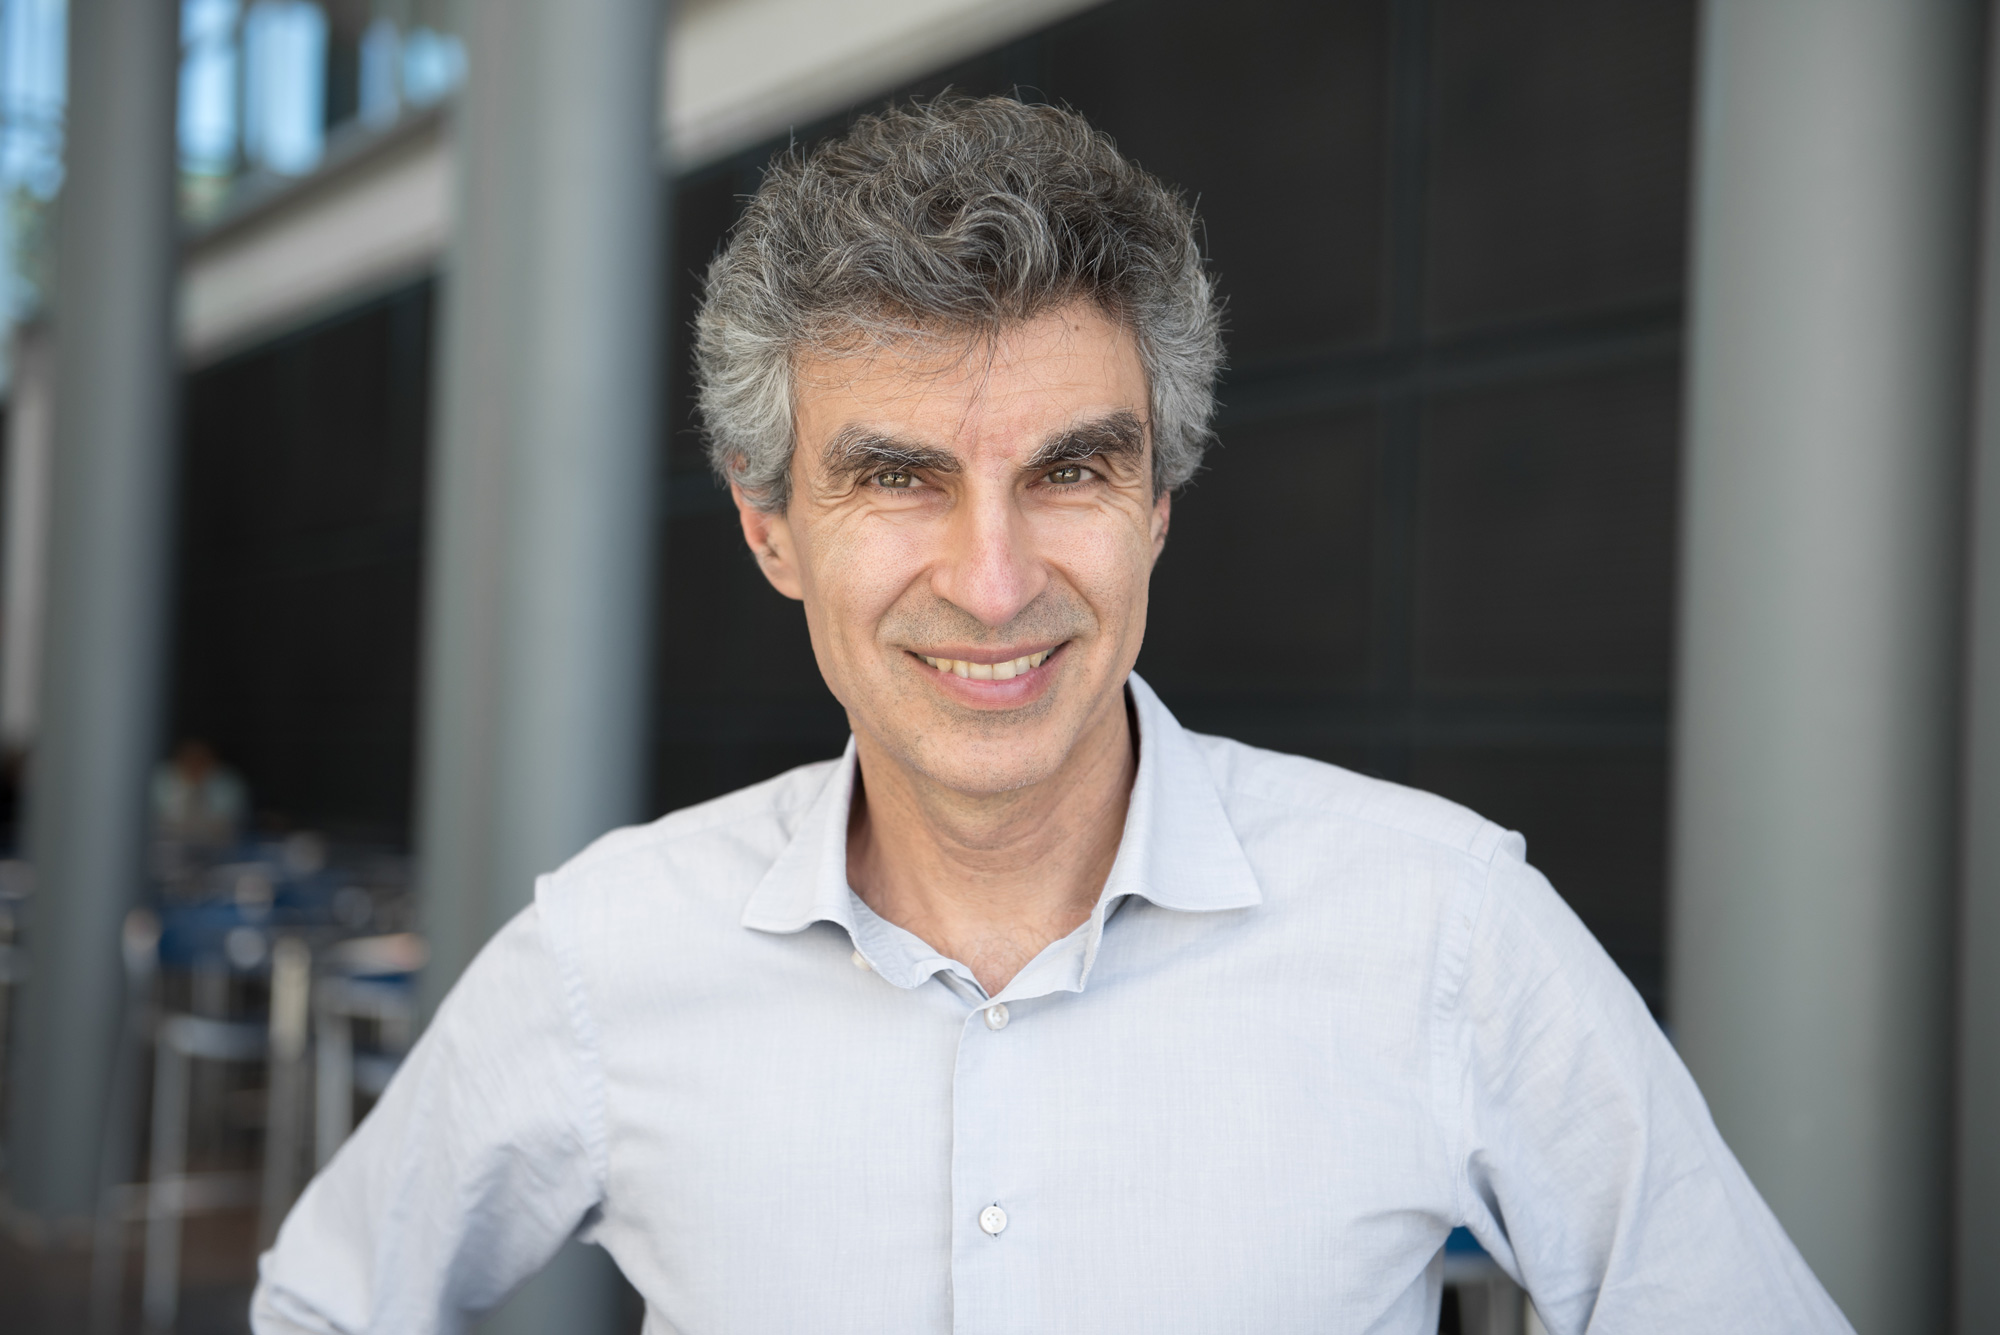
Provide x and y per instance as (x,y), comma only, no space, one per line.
(198,802)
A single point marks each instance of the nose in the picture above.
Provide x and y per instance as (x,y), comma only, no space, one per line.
(989,567)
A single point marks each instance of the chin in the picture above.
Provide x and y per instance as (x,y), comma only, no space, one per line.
(980,765)
(988,782)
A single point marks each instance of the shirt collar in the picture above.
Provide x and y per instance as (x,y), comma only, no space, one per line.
(1178,850)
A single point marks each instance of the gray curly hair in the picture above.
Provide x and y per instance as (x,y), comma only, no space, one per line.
(952,217)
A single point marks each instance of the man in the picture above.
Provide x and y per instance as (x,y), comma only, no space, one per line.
(1033,1012)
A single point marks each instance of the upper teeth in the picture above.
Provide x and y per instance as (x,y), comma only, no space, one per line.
(1007,671)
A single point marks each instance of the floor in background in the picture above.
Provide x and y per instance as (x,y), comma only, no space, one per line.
(45,1291)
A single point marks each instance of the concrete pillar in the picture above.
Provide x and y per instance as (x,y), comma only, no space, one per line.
(1814,788)
(1976,1275)
(538,603)
(112,493)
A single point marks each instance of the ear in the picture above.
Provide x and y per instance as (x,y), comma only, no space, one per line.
(770,539)
(1163,513)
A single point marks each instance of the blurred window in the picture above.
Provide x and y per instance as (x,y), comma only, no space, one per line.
(433,65)
(33,87)
(208,86)
(381,88)
(284,85)
(269,87)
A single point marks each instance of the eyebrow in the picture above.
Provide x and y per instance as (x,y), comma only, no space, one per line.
(1119,435)
(856,451)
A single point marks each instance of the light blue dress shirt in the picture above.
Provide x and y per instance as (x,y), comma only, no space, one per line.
(1315,1022)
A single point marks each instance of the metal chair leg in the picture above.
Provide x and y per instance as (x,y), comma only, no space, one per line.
(163,1205)
(333,1083)
(139,941)
(291,996)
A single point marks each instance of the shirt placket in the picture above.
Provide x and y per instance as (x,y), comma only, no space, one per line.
(999,1147)
(999,1224)
(994,1221)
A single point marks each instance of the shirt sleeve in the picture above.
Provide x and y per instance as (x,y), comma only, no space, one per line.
(1588,1163)
(481,1158)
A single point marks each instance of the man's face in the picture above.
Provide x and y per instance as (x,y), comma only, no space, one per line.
(971,531)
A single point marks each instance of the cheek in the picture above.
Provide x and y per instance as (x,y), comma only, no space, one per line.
(1109,562)
(855,573)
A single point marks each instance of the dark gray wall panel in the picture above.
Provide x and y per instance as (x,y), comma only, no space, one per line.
(1545,533)
(1559,156)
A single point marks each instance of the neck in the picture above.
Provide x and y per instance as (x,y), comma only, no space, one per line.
(989,879)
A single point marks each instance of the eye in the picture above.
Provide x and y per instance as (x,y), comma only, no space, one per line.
(1067,475)
(895,479)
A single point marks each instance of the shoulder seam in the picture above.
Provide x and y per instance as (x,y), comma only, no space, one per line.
(1485,832)
(1454,959)
(651,838)
(583,1025)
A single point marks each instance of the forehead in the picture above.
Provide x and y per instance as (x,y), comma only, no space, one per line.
(1026,379)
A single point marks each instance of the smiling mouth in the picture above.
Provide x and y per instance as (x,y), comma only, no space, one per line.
(1005,670)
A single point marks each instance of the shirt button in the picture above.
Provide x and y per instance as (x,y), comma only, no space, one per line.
(859,962)
(993,1219)
(996,1020)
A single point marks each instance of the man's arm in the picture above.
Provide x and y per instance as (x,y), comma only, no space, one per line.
(483,1156)
(1589,1165)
